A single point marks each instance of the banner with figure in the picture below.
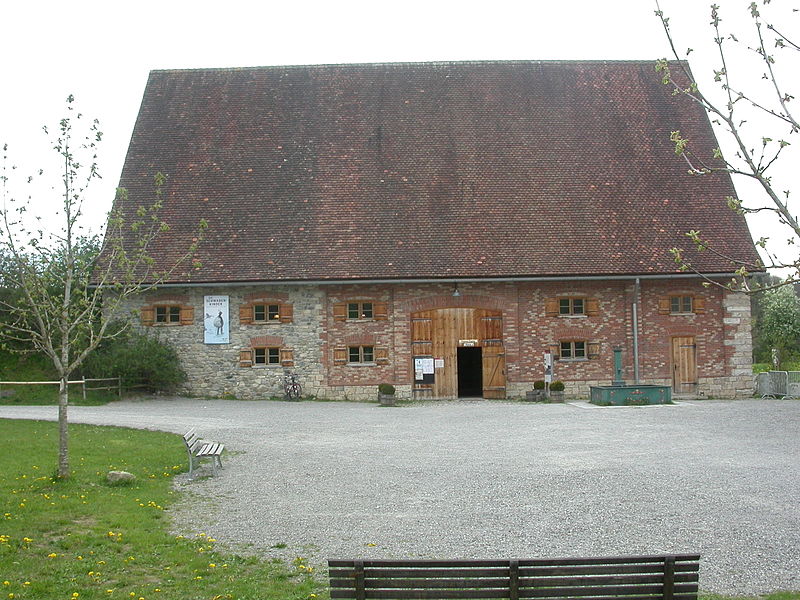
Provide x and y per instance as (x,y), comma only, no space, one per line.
(215,320)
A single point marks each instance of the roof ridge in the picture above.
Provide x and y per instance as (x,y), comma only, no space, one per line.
(418,63)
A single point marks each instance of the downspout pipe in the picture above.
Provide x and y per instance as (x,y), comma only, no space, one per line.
(635,325)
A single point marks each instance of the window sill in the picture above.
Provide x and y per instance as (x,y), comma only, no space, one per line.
(166,324)
(573,360)
(682,314)
(573,316)
(362,364)
(272,322)
(263,366)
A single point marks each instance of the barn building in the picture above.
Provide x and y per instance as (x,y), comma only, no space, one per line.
(437,226)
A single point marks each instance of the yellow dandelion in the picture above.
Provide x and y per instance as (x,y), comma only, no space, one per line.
(52,555)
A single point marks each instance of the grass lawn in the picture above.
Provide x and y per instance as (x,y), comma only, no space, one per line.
(35,367)
(83,539)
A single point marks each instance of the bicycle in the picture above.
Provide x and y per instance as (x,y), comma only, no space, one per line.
(291,386)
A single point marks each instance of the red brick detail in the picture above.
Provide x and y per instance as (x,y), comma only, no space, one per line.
(357,340)
(168,299)
(267,297)
(266,341)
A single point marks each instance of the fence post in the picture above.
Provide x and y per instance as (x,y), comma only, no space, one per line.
(83,385)
(119,385)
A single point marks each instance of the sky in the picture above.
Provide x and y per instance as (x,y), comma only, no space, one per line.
(101,52)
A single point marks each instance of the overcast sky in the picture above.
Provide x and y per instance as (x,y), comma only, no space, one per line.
(102,51)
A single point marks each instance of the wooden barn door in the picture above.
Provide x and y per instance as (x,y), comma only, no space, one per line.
(437,335)
(684,364)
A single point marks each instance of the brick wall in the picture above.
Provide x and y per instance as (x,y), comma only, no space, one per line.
(721,331)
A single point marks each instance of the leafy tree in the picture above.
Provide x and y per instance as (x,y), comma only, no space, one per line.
(755,117)
(139,359)
(779,325)
(67,299)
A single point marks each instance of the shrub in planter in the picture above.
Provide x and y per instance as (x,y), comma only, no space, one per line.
(387,389)
(538,384)
(386,394)
(557,391)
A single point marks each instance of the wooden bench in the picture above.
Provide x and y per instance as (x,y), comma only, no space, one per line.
(670,577)
(198,449)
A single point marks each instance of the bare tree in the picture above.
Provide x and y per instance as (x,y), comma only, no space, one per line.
(65,298)
(756,120)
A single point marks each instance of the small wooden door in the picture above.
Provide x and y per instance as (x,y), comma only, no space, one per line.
(684,364)
(439,333)
(494,372)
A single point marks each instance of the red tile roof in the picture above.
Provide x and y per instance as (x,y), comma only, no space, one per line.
(428,170)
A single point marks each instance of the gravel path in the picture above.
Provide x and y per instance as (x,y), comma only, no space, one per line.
(484,479)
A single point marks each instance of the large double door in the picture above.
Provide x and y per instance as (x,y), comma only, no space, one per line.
(466,346)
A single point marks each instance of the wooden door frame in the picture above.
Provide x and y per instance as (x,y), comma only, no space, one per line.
(484,327)
(678,385)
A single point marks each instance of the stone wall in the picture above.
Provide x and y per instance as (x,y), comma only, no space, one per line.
(313,335)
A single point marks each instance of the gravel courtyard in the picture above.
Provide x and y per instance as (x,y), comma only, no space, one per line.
(483,479)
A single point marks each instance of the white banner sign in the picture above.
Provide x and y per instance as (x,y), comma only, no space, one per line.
(215,320)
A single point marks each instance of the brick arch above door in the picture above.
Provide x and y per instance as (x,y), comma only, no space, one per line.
(450,301)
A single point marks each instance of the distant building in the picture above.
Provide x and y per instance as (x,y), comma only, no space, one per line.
(438,226)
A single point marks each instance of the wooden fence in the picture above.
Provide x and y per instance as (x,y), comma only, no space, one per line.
(82,382)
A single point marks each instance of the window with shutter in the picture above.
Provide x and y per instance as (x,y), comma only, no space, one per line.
(573,350)
(572,306)
(261,312)
(340,355)
(167,314)
(681,305)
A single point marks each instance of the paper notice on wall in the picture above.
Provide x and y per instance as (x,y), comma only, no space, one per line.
(215,320)
(438,363)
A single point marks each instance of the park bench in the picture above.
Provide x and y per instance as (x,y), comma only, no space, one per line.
(670,577)
(198,449)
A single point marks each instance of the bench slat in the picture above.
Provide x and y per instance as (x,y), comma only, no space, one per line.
(596,578)
(529,562)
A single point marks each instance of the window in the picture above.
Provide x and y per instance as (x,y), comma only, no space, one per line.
(571,306)
(168,314)
(359,310)
(573,350)
(266,312)
(361,354)
(681,304)
(267,356)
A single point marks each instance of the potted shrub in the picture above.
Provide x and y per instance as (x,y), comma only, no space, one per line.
(386,394)
(537,394)
(557,391)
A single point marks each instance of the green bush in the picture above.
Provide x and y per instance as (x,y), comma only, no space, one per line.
(138,359)
(557,386)
(538,384)
(387,389)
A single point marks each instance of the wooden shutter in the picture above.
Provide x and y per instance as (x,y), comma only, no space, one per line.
(340,311)
(551,307)
(699,305)
(246,358)
(593,350)
(555,350)
(286,313)
(380,311)
(148,316)
(340,355)
(245,314)
(187,315)
(381,355)
(592,307)
(287,357)
(663,305)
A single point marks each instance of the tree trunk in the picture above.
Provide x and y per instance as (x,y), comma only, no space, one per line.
(63,430)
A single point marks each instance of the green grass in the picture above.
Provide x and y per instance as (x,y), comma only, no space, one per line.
(82,539)
(36,367)
(762,367)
